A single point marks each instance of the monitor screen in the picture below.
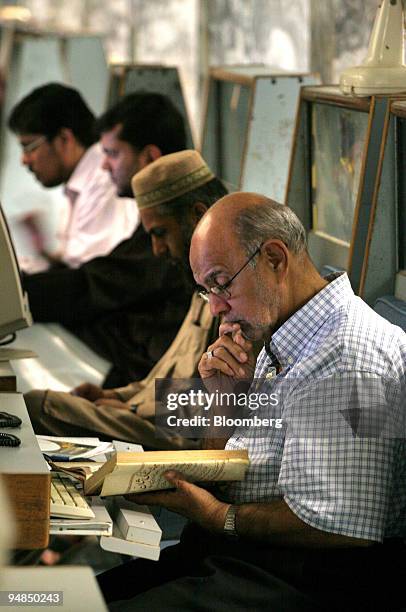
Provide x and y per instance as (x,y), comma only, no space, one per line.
(338,137)
(226,129)
(401,187)
(14,310)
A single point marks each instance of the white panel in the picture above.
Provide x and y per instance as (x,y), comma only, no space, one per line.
(35,61)
(94,90)
(270,134)
(63,360)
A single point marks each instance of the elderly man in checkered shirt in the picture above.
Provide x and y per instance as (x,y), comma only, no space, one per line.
(319,521)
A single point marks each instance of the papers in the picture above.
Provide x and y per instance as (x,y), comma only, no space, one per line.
(8,354)
(120,446)
(73,449)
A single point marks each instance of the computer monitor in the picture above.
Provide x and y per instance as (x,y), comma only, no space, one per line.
(248,125)
(333,170)
(14,309)
(399,112)
(384,269)
(337,144)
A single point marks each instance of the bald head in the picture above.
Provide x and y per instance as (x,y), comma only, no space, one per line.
(256,249)
(252,218)
(232,204)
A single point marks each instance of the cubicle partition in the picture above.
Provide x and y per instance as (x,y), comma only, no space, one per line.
(126,78)
(29,58)
(333,185)
(384,266)
(248,126)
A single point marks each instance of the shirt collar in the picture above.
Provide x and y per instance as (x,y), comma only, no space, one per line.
(91,159)
(288,342)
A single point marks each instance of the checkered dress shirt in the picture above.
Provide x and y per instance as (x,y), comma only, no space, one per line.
(339,461)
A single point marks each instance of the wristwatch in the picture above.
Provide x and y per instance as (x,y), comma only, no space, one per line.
(230,522)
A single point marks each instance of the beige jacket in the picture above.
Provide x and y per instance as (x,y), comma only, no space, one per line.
(198,330)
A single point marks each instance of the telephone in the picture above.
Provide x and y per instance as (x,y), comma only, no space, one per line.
(9,420)
(7,439)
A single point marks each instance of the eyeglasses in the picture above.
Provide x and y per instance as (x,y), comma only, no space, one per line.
(29,147)
(222,290)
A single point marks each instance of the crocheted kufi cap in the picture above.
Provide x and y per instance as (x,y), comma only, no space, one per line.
(170,176)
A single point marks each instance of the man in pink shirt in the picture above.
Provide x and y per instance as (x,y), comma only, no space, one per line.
(55,128)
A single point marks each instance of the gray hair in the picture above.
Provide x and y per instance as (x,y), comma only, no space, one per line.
(273,220)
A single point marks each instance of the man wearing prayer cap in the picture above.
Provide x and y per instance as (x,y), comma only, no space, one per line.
(172,193)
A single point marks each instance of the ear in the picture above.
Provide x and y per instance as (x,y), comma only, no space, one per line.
(197,211)
(66,136)
(149,154)
(64,140)
(277,255)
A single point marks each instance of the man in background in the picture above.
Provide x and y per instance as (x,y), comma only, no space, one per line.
(127,305)
(56,131)
(172,193)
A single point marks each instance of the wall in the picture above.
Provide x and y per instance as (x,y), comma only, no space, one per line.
(191,33)
(340,31)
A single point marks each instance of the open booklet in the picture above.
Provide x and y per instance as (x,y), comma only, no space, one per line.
(72,449)
(129,472)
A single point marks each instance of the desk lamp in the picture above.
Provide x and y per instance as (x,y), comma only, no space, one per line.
(383,71)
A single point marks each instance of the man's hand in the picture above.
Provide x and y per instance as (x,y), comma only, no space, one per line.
(189,500)
(93,392)
(228,365)
(231,354)
(272,522)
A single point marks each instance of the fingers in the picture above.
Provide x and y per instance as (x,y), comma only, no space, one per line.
(88,391)
(228,361)
(164,497)
(227,355)
(175,478)
(228,328)
(154,498)
(235,332)
(80,390)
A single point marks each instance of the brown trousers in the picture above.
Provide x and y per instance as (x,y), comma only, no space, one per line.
(62,414)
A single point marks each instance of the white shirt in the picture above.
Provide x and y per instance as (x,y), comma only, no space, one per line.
(96,219)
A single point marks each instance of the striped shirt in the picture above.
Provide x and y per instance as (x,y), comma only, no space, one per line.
(339,461)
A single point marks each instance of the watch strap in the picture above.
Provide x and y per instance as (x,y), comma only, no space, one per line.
(230,521)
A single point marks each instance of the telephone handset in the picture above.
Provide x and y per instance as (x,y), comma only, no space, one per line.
(7,439)
(9,420)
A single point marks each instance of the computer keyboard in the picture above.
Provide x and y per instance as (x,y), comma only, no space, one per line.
(66,500)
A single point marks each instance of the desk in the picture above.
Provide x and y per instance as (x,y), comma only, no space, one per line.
(7,377)
(26,478)
(80,590)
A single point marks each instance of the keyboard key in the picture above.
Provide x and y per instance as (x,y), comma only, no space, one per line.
(66,501)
